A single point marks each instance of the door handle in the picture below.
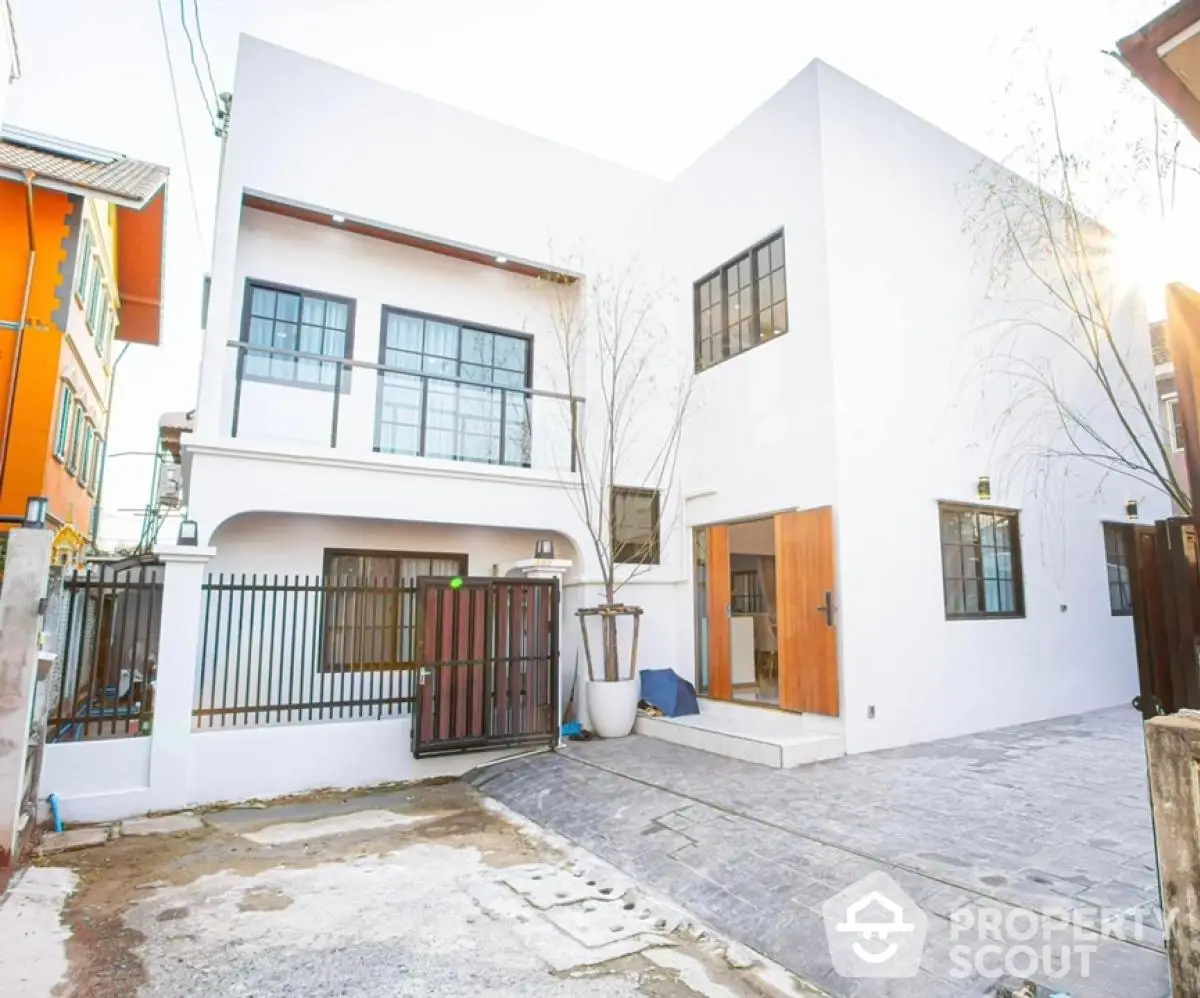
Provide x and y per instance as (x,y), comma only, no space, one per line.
(827,608)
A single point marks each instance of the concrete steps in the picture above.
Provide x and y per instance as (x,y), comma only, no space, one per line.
(773,738)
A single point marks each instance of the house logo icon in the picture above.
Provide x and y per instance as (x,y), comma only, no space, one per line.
(874,929)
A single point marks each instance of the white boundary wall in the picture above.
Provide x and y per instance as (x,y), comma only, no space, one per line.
(176,767)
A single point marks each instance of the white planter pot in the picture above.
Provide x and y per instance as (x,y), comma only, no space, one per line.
(612,707)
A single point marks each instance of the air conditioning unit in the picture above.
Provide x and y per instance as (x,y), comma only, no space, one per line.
(170,486)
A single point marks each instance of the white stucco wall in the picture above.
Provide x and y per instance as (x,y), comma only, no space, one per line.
(919,419)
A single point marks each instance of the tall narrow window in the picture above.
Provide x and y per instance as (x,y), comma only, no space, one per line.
(85,456)
(97,462)
(635,526)
(465,398)
(78,418)
(742,303)
(1173,421)
(62,433)
(83,272)
(981,562)
(1118,544)
(299,322)
(370,607)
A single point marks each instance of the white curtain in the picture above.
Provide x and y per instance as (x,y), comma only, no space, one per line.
(766,585)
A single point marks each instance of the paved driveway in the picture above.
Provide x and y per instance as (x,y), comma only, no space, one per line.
(1049,818)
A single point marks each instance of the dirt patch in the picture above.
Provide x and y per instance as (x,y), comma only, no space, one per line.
(102,950)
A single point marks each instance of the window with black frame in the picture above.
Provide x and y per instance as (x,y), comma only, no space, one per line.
(370,606)
(981,562)
(635,526)
(1118,543)
(463,401)
(299,321)
(742,303)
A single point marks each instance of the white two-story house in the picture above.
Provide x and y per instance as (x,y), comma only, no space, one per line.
(846,541)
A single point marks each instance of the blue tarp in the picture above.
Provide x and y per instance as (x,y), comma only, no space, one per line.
(670,693)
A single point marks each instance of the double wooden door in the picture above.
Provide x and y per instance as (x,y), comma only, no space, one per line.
(805,613)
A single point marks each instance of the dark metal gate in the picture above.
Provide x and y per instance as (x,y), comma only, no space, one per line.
(488,664)
(1165,584)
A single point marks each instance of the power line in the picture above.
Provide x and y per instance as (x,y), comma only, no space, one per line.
(187,163)
(196,69)
(204,51)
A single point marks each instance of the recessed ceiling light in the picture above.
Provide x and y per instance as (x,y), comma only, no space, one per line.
(338,218)
(502,259)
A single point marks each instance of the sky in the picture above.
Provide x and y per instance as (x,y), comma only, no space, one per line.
(646,83)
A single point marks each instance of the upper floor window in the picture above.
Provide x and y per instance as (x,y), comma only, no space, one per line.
(78,421)
(465,399)
(981,562)
(85,457)
(1173,422)
(742,303)
(301,322)
(635,526)
(83,272)
(1118,543)
(62,433)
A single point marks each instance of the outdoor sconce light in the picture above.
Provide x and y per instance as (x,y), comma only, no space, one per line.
(1131,509)
(544,549)
(189,534)
(35,511)
(983,487)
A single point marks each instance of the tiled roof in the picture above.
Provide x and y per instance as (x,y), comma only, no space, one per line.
(1158,343)
(90,171)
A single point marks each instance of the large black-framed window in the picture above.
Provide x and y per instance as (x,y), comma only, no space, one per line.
(635,526)
(465,399)
(981,562)
(1118,554)
(370,606)
(289,318)
(742,303)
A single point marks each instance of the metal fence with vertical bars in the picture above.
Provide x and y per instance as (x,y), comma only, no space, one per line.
(108,630)
(286,649)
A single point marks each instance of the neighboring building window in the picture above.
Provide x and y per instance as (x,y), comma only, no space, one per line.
(742,303)
(85,456)
(1118,552)
(299,321)
(981,562)
(77,423)
(466,398)
(635,526)
(97,462)
(370,606)
(62,435)
(95,294)
(1174,424)
(86,264)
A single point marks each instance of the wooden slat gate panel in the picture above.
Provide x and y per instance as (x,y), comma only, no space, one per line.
(487,665)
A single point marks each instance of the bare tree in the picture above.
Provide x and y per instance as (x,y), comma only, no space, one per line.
(616,350)
(1047,260)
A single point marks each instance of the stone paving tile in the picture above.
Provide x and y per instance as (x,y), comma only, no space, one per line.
(1051,817)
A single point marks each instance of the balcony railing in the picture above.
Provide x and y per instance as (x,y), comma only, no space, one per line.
(409,412)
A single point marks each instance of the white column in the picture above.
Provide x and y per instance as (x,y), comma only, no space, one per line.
(184,569)
(26,571)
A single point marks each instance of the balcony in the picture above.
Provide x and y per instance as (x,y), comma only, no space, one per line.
(406,409)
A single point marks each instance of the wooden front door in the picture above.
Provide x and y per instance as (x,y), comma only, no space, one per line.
(719,578)
(807,624)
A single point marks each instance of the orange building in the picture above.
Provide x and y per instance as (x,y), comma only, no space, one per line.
(81,264)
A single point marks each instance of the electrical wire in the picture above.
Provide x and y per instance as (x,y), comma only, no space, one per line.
(204,51)
(196,69)
(187,163)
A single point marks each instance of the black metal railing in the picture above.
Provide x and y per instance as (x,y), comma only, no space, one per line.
(291,649)
(511,411)
(103,684)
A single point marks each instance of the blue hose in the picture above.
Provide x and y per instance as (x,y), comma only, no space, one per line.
(52,800)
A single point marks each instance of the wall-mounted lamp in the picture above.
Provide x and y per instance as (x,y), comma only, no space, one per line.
(544,548)
(35,511)
(983,487)
(1131,509)
(189,534)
